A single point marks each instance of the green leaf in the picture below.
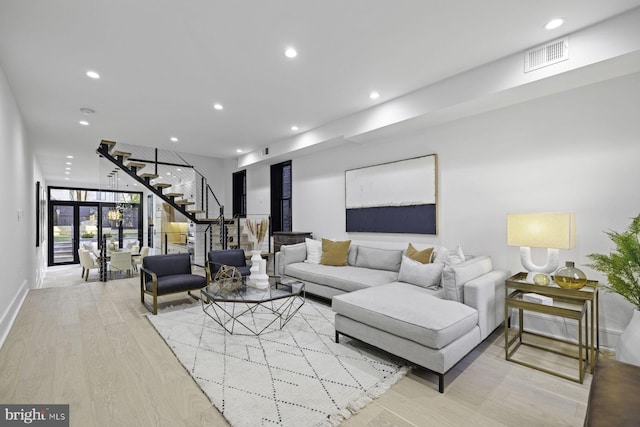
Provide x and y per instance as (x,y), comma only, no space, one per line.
(622,267)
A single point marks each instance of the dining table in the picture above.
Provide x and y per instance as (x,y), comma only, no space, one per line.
(103,260)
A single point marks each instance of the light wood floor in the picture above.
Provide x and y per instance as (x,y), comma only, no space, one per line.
(90,345)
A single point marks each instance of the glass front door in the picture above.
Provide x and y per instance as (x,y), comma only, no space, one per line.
(80,218)
(61,248)
(88,227)
(72,226)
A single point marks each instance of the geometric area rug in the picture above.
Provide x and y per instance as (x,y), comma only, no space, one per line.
(297,376)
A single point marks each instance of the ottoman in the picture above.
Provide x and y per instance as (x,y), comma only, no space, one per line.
(410,322)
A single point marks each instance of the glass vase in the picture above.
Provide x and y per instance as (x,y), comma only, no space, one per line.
(570,277)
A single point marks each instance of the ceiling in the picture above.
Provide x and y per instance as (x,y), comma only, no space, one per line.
(164,63)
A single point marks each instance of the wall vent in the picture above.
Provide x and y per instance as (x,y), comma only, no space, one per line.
(547,54)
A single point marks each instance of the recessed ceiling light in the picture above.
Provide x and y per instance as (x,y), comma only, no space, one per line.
(174,139)
(218,106)
(168,173)
(294,128)
(67,169)
(67,173)
(66,178)
(69,157)
(84,122)
(374,95)
(68,163)
(291,52)
(238,151)
(93,74)
(178,170)
(554,23)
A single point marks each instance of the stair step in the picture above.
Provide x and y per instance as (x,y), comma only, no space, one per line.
(184,202)
(109,144)
(148,175)
(160,185)
(174,194)
(122,154)
(195,211)
(138,165)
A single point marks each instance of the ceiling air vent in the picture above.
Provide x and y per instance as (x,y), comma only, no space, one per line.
(547,54)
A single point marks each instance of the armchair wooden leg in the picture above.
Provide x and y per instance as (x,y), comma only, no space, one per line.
(155,303)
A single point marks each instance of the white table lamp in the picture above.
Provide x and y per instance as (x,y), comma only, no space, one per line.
(553,231)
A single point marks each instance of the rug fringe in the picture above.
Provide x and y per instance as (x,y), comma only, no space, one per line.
(356,405)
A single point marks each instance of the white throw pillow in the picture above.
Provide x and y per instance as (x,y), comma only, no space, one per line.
(449,257)
(440,254)
(314,251)
(417,273)
(456,256)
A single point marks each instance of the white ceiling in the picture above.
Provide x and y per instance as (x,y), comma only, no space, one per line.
(163,65)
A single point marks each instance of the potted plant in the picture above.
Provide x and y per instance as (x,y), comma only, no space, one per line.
(622,269)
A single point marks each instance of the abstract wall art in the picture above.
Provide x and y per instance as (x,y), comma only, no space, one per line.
(395,197)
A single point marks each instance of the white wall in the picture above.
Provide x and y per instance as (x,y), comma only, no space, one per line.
(21,263)
(213,169)
(575,151)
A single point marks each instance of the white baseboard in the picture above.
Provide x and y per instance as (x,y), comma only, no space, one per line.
(10,314)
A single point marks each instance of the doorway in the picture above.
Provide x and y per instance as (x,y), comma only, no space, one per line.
(71,226)
(81,218)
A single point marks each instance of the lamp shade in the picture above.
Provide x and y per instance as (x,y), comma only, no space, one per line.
(542,230)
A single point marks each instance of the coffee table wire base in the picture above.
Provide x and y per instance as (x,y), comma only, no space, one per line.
(250,315)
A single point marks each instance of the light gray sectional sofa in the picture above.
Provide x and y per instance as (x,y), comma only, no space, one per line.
(434,321)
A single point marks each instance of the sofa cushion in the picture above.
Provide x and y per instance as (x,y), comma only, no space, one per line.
(417,273)
(423,256)
(455,276)
(335,253)
(314,250)
(409,312)
(352,255)
(294,253)
(346,278)
(379,259)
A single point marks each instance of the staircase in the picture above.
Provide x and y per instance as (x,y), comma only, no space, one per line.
(189,194)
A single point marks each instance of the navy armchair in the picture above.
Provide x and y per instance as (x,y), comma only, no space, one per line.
(167,274)
(232,257)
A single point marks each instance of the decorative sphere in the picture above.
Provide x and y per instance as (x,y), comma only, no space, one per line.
(228,278)
(541,279)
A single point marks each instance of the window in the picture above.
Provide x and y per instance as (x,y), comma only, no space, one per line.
(281,196)
(79,217)
(240,193)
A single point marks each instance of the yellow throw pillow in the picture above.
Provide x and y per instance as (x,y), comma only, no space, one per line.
(423,256)
(335,253)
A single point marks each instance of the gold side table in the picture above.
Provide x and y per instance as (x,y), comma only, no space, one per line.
(577,304)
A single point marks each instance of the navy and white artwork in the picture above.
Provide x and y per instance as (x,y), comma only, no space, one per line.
(396,197)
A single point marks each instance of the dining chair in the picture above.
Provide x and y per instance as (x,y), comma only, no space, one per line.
(87,262)
(120,261)
(136,261)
